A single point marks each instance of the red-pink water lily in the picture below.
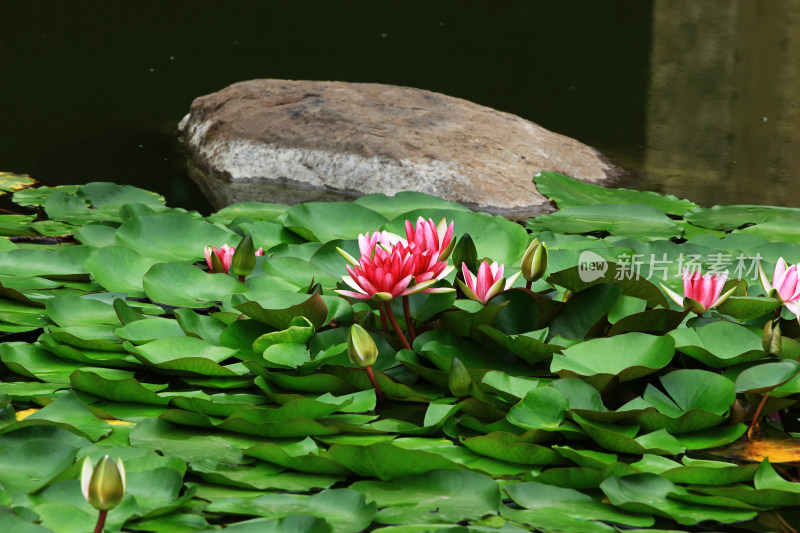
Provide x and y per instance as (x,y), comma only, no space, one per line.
(700,293)
(386,274)
(432,237)
(785,284)
(225,255)
(487,284)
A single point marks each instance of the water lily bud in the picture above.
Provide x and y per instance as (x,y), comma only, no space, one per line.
(465,252)
(104,485)
(244,258)
(458,380)
(360,347)
(534,261)
(771,341)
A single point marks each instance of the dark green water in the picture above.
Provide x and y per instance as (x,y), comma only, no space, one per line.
(93,90)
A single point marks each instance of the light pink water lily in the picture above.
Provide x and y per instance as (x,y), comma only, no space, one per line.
(785,284)
(487,284)
(225,255)
(700,293)
(427,236)
(367,243)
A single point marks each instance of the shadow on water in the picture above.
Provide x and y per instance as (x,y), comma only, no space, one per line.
(698,99)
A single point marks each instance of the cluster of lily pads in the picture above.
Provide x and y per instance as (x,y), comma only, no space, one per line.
(577,399)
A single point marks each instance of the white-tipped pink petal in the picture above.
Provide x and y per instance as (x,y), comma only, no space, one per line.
(789,284)
(780,273)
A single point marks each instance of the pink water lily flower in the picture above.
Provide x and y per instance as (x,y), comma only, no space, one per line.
(700,293)
(225,255)
(384,274)
(785,284)
(487,284)
(427,236)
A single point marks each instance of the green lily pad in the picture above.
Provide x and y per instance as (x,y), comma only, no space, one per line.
(627,356)
(185,285)
(143,331)
(719,344)
(12,182)
(569,192)
(648,493)
(172,236)
(183,355)
(47,264)
(771,223)
(436,496)
(635,286)
(556,501)
(495,237)
(642,222)
(279,309)
(693,400)
(120,269)
(67,412)
(509,447)
(346,510)
(763,378)
(404,201)
(326,221)
(623,439)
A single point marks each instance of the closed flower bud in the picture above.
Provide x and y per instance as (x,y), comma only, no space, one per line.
(465,252)
(771,341)
(458,380)
(104,485)
(360,347)
(534,261)
(244,257)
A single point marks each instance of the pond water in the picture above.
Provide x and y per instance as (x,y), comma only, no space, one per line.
(698,99)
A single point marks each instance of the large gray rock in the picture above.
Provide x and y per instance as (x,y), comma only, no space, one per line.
(293,141)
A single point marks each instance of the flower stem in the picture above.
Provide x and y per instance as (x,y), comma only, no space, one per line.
(241,278)
(528,284)
(756,415)
(378,391)
(384,323)
(101,521)
(409,323)
(396,326)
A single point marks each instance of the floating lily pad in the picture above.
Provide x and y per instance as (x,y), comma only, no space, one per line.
(719,344)
(326,221)
(279,309)
(693,399)
(172,236)
(627,356)
(185,285)
(639,221)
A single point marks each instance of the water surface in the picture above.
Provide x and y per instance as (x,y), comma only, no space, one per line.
(698,99)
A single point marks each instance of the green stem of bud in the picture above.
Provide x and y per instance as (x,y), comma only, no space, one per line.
(101,521)
(378,391)
(396,326)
